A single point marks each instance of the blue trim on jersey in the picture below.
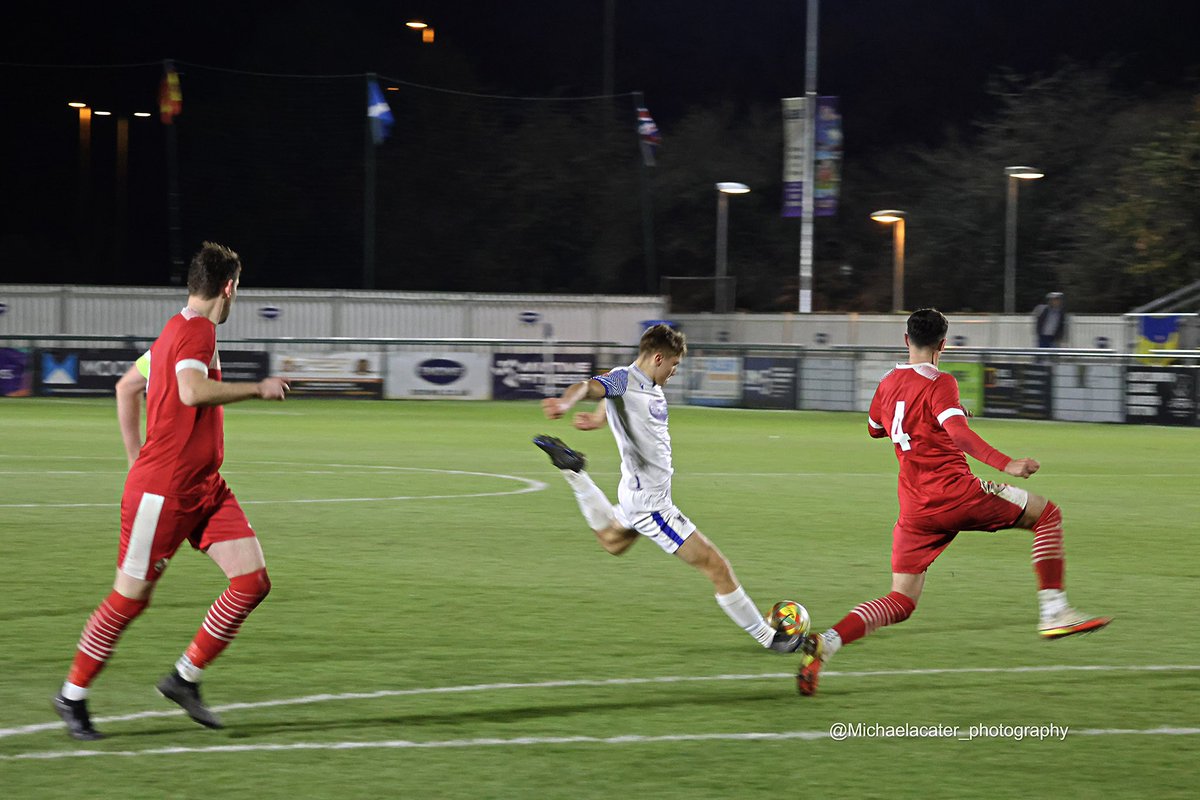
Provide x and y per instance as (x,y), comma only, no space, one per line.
(665,528)
(615,382)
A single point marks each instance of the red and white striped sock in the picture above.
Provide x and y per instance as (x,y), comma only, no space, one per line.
(100,634)
(868,617)
(1048,554)
(224,619)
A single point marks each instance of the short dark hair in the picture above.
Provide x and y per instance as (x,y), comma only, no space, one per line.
(927,327)
(211,268)
(663,339)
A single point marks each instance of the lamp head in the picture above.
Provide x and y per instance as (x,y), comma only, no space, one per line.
(888,215)
(1024,173)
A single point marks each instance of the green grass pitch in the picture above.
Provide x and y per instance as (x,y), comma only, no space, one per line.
(457,632)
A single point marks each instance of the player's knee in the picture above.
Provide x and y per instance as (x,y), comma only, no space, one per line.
(1034,509)
(615,542)
(904,605)
(613,547)
(255,584)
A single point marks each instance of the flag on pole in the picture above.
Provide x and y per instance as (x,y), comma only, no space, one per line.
(648,135)
(170,97)
(379,112)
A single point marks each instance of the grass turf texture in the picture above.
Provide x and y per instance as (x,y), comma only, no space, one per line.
(416,594)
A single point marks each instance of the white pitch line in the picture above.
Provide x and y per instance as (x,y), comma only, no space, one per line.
(520,741)
(602,682)
(531,485)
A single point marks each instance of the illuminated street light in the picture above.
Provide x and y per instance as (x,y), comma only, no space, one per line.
(895,217)
(121,170)
(1015,175)
(724,302)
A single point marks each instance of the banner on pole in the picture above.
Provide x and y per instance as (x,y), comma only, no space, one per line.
(828,146)
(795,151)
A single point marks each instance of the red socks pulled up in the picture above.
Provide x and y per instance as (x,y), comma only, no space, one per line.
(868,617)
(100,634)
(226,616)
(1048,554)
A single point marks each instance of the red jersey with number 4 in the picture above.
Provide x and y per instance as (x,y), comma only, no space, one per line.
(185,445)
(910,406)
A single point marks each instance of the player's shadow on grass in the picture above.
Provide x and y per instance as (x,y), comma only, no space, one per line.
(416,721)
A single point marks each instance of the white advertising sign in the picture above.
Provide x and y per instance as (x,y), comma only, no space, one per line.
(438,376)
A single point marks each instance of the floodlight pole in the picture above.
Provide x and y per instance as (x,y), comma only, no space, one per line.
(1010,249)
(721,294)
(810,119)
(368,265)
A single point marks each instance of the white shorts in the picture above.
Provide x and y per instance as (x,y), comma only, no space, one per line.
(668,528)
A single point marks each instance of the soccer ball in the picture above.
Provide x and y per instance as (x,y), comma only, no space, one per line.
(789,617)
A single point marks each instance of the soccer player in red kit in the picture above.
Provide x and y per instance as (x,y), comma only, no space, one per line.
(174,493)
(918,408)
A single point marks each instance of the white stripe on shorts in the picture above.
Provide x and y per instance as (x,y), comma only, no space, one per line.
(141,538)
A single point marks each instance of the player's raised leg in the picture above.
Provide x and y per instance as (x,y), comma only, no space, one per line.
(1056,616)
(894,607)
(593,504)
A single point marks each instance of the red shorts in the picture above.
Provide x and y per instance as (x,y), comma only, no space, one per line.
(918,541)
(153,526)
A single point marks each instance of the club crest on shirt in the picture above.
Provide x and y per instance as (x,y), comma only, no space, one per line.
(658,409)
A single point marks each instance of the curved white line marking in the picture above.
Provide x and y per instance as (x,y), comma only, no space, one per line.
(600,682)
(530,485)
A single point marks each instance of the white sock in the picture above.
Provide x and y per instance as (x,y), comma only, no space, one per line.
(188,671)
(1052,601)
(592,502)
(741,609)
(72,692)
(832,642)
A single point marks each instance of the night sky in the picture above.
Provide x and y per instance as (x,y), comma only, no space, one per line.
(907,73)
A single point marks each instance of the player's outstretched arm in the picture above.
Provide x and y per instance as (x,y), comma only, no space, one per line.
(586,421)
(130,389)
(196,389)
(556,407)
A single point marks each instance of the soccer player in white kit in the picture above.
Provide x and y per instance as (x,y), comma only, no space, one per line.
(636,410)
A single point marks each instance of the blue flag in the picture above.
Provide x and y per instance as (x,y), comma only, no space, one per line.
(379,112)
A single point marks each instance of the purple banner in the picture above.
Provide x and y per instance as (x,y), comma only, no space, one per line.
(828,164)
(523,376)
(16,377)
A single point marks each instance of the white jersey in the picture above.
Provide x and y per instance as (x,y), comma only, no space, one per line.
(637,415)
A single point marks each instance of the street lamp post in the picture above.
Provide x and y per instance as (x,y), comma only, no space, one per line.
(121,207)
(1014,174)
(722,296)
(810,127)
(83,200)
(895,218)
